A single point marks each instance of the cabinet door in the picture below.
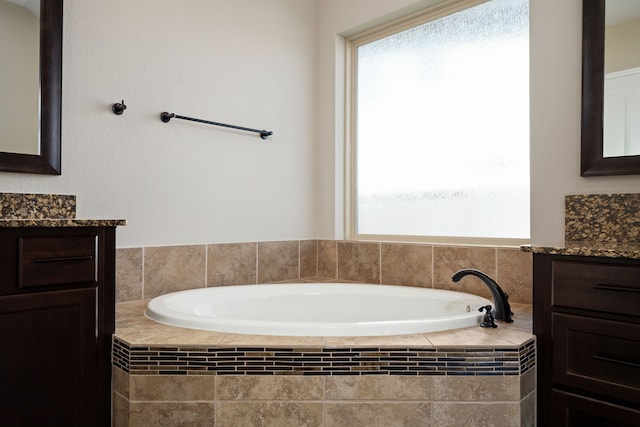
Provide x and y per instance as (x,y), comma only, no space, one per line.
(48,361)
(597,356)
(573,410)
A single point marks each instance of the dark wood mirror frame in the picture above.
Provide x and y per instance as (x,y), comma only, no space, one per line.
(592,161)
(49,159)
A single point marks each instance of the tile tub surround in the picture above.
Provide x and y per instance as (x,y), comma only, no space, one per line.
(151,271)
(181,376)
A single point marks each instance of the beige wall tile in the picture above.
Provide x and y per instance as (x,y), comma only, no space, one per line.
(374,387)
(232,340)
(406,264)
(359,262)
(528,411)
(527,382)
(447,414)
(472,336)
(120,382)
(279,387)
(173,268)
(403,340)
(231,264)
(170,268)
(479,389)
(119,411)
(405,414)
(515,274)
(128,274)
(327,258)
(172,387)
(308,258)
(269,414)
(449,259)
(278,261)
(175,414)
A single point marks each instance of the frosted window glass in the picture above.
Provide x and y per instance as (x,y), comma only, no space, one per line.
(443,127)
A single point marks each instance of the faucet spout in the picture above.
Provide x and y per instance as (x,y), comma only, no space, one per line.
(500,299)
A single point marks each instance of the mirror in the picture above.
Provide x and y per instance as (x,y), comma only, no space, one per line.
(40,117)
(609,147)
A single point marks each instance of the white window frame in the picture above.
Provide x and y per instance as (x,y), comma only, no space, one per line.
(445,8)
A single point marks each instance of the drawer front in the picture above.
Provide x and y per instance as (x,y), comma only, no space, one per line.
(56,260)
(596,355)
(594,286)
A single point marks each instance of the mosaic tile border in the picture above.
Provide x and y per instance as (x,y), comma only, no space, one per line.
(194,360)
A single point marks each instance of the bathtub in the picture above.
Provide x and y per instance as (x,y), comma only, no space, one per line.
(317,309)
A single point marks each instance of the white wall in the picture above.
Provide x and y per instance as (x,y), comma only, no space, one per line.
(556,45)
(245,62)
(275,64)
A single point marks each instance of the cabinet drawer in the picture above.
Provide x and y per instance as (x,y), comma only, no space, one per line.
(597,286)
(596,355)
(55,260)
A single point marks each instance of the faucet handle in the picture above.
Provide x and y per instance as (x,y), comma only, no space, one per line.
(488,321)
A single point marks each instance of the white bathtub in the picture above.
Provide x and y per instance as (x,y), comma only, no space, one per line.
(317,309)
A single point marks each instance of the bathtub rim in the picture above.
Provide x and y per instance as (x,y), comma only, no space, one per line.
(157,312)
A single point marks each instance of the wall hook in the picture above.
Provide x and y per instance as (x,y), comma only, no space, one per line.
(119,108)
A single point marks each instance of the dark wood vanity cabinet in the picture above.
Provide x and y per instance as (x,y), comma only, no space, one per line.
(57,297)
(587,323)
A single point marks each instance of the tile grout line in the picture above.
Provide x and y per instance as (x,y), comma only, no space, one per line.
(337,257)
(257,262)
(142,270)
(206,265)
(433,267)
(495,255)
(380,262)
(299,258)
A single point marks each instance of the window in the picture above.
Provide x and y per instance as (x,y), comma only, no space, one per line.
(439,140)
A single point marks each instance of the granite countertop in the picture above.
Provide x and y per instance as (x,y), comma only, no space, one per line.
(598,225)
(135,329)
(45,210)
(593,249)
(68,222)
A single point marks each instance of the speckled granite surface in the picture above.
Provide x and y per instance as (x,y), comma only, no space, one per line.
(598,225)
(37,206)
(602,218)
(45,210)
(594,249)
(15,223)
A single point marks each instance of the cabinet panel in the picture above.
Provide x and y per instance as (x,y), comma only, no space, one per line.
(48,361)
(586,320)
(57,316)
(596,286)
